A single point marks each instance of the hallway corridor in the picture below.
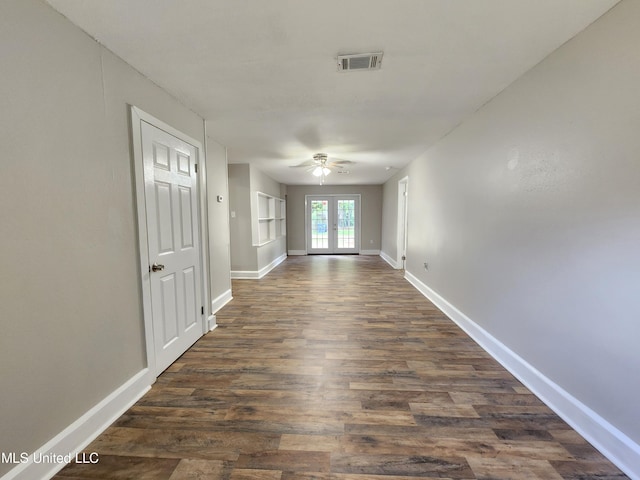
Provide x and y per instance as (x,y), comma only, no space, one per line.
(335,367)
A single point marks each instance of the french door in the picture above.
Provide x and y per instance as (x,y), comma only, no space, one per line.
(333,224)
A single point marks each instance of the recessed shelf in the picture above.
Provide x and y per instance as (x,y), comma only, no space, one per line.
(271,219)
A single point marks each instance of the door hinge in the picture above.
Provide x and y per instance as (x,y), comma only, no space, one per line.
(196,165)
(202,310)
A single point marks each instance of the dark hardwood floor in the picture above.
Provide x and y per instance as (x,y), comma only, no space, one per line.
(334,367)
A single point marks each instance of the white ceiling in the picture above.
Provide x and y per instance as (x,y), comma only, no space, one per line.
(264,76)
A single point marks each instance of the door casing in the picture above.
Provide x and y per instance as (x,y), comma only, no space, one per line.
(402,229)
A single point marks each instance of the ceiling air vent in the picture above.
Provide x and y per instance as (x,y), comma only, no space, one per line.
(360,61)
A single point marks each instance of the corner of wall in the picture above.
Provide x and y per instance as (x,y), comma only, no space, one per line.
(390,260)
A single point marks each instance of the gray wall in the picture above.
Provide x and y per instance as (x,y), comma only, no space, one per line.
(389,238)
(218,219)
(244,183)
(528,214)
(370,206)
(71,310)
(243,253)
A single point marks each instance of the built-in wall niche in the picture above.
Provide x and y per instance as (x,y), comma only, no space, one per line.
(270,219)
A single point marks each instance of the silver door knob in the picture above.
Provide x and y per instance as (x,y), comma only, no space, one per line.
(157,267)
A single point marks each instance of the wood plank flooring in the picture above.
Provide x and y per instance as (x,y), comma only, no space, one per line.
(334,367)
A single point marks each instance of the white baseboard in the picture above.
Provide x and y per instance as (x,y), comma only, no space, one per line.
(263,271)
(244,274)
(610,441)
(390,260)
(216,304)
(362,252)
(220,301)
(252,274)
(83,431)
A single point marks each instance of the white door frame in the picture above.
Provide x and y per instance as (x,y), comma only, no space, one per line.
(138,116)
(307,219)
(402,229)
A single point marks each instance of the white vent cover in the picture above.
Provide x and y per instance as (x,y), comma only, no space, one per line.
(359,61)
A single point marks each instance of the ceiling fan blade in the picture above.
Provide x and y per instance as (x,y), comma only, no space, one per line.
(340,163)
(320,159)
(308,163)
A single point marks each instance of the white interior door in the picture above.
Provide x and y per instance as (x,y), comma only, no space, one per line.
(333,224)
(171,201)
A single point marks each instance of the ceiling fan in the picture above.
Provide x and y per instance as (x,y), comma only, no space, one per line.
(320,166)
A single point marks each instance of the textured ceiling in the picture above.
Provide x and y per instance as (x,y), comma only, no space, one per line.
(264,76)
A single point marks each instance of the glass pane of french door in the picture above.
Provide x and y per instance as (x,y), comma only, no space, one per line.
(319,224)
(346,224)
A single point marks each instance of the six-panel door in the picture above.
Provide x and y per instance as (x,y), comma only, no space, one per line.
(171,199)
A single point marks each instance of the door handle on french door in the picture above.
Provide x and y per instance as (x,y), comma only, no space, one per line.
(157,267)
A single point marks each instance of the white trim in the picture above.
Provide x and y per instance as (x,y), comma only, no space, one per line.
(297,252)
(264,270)
(221,300)
(369,252)
(402,222)
(143,239)
(204,228)
(85,429)
(137,117)
(244,274)
(609,440)
(212,323)
(255,275)
(389,260)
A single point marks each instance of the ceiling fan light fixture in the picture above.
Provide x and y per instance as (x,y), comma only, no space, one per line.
(320,166)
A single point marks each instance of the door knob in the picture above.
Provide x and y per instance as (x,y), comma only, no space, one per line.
(157,267)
